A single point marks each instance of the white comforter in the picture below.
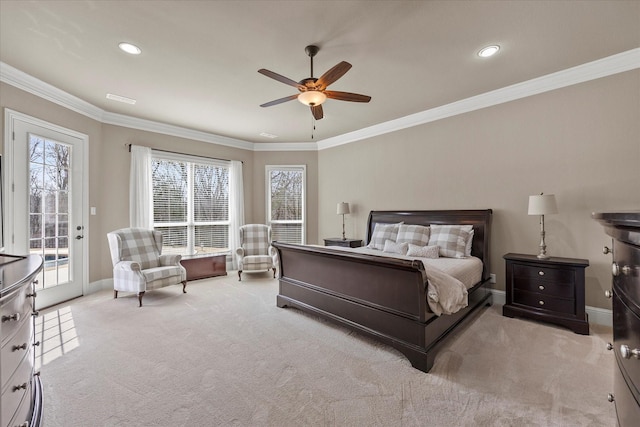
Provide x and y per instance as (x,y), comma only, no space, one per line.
(447,279)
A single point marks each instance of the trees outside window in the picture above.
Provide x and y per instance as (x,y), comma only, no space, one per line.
(286,203)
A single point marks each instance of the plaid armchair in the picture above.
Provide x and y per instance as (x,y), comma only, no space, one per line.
(138,265)
(255,252)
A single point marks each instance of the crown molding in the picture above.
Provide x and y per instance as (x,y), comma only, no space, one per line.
(610,65)
(604,67)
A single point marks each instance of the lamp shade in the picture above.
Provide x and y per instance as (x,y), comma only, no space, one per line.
(343,208)
(542,204)
(312,97)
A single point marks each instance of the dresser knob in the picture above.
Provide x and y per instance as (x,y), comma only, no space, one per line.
(540,273)
(610,397)
(24,424)
(34,294)
(609,346)
(19,347)
(627,353)
(19,387)
(608,293)
(606,250)
(541,287)
(36,344)
(15,316)
(541,302)
(35,313)
(615,269)
(626,270)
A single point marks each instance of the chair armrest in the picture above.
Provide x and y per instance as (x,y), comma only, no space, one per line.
(128,266)
(273,252)
(240,253)
(170,259)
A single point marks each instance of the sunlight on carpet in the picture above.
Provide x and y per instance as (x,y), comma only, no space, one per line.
(56,335)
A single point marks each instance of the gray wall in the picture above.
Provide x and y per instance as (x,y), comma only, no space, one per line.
(581,143)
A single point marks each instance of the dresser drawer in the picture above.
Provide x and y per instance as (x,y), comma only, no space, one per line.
(555,275)
(544,302)
(545,287)
(15,351)
(13,391)
(627,259)
(14,310)
(23,414)
(626,332)
(627,407)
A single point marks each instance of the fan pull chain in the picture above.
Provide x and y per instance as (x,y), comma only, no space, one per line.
(313,126)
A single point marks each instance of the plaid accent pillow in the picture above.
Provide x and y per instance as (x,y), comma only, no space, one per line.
(452,239)
(414,234)
(395,248)
(256,239)
(140,245)
(423,251)
(382,233)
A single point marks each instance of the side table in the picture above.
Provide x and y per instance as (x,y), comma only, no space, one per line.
(549,290)
(203,266)
(347,243)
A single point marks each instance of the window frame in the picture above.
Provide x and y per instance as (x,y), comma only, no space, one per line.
(190,223)
(268,197)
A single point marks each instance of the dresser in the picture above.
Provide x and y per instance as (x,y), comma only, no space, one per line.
(624,229)
(347,243)
(549,290)
(21,398)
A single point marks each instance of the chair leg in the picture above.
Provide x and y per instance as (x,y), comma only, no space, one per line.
(239,275)
(274,272)
(184,287)
(115,294)
(140,295)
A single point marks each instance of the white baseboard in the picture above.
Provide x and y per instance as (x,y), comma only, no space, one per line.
(598,316)
(98,285)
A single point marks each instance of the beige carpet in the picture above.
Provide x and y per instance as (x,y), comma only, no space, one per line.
(224,354)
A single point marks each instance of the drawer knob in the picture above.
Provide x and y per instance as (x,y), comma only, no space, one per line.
(23,386)
(19,347)
(34,294)
(610,397)
(627,353)
(15,316)
(626,270)
(541,302)
(609,346)
(36,344)
(540,273)
(615,269)
(541,287)
(608,293)
(606,250)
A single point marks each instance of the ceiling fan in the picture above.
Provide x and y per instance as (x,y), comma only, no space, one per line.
(313,91)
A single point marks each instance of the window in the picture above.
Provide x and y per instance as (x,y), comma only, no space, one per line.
(286,203)
(191,203)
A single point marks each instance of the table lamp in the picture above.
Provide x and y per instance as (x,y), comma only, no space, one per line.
(542,204)
(343,208)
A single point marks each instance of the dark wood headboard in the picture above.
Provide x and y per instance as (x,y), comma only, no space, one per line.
(480,219)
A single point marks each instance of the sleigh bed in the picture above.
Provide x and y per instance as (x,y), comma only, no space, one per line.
(384,297)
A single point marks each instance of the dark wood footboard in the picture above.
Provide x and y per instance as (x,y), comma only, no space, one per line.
(381,297)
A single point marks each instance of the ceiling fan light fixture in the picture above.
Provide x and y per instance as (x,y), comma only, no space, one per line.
(312,98)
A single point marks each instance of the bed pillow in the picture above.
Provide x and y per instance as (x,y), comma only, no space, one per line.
(452,239)
(423,251)
(414,234)
(467,250)
(382,233)
(395,248)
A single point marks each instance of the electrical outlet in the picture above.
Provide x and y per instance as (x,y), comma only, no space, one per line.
(492,278)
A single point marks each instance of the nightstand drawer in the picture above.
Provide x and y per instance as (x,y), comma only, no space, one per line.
(544,302)
(543,273)
(545,287)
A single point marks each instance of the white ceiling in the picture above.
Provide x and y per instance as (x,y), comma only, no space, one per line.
(199,61)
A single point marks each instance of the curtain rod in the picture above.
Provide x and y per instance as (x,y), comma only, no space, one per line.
(183,154)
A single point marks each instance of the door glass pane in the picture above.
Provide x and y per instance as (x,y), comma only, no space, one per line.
(49,200)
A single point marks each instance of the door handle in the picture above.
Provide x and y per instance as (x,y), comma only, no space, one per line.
(78,237)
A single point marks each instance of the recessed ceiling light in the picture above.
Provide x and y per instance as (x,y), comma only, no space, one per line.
(121,99)
(488,51)
(268,135)
(130,48)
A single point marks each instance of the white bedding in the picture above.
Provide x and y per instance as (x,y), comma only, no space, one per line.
(448,278)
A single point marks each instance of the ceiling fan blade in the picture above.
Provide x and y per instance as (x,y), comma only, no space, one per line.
(316,110)
(279,101)
(333,74)
(347,96)
(281,79)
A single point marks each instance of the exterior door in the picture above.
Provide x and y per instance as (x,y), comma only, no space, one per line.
(45,171)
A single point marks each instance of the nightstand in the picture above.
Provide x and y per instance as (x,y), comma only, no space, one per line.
(550,290)
(347,243)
